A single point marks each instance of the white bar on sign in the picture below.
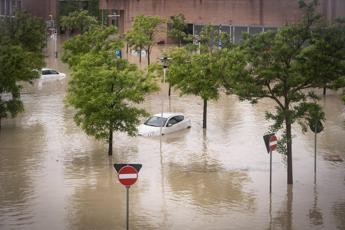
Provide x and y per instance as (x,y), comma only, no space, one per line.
(273,143)
(128,176)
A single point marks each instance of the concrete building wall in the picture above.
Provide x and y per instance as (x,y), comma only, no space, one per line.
(228,12)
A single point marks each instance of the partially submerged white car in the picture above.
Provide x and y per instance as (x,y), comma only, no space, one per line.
(170,122)
(48,74)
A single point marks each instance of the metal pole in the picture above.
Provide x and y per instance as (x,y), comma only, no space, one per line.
(315,148)
(270,171)
(55,43)
(127,211)
(160,139)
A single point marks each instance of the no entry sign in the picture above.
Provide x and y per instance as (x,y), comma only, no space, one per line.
(128,175)
(270,142)
(273,143)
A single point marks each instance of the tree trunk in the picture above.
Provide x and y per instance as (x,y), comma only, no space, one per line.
(289,150)
(169,92)
(110,141)
(204,115)
(148,56)
(140,56)
(324,91)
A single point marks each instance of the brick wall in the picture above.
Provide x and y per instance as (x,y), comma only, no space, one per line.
(40,8)
(235,12)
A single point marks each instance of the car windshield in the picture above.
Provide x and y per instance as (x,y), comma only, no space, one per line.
(155,121)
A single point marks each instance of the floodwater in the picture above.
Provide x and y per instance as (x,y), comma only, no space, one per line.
(54,176)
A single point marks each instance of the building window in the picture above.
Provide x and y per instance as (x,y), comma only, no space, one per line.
(238,33)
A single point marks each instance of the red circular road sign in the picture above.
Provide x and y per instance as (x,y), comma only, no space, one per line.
(128,175)
(273,143)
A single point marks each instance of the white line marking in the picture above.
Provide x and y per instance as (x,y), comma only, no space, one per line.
(273,143)
(128,176)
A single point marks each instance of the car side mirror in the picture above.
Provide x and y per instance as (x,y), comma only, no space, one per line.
(169,125)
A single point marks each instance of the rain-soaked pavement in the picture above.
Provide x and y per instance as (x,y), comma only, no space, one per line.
(53,176)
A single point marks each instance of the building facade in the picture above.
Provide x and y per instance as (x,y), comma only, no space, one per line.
(232,15)
(9,7)
(45,9)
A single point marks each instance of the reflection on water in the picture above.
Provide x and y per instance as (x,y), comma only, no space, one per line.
(52,174)
(338,212)
(283,218)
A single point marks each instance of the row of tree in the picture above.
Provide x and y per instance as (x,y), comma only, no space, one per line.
(105,90)
(22,39)
(284,66)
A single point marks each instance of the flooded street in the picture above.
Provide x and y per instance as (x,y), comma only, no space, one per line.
(53,176)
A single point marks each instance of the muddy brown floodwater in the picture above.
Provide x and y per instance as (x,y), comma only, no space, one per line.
(53,176)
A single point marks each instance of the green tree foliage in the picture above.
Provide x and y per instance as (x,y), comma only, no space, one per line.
(21,42)
(78,20)
(210,39)
(202,73)
(195,74)
(142,34)
(97,38)
(177,28)
(286,65)
(68,6)
(104,90)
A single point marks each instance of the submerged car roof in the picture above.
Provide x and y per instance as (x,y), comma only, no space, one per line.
(167,115)
(45,68)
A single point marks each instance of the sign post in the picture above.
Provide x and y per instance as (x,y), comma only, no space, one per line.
(127,175)
(118,53)
(271,145)
(317,127)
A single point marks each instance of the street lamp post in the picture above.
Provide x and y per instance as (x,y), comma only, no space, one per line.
(53,29)
(165,62)
(55,43)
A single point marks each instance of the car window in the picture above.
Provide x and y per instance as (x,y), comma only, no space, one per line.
(49,71)
(179,118)
(173,121)
(155,121)
(45,72)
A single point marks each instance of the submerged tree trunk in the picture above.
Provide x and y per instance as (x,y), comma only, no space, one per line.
(110,141)
(204,115)
(289,150)
(140,56)
(148,56)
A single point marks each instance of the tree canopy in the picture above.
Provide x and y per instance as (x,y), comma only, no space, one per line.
(22,39)
(195,74)
(285,66)
(177,27)
(142,34)
(79,20)
(105,90)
